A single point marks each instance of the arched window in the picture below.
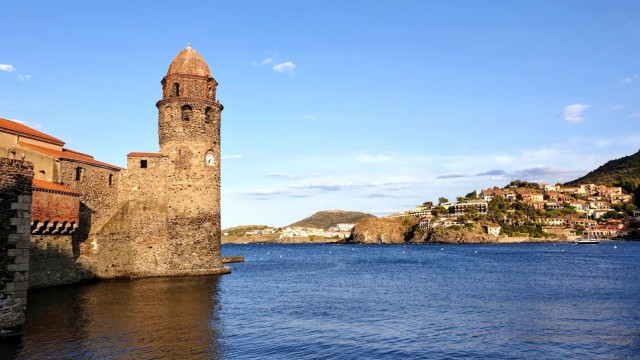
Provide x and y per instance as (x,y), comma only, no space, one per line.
(186,112)
(175,91)
(208,115)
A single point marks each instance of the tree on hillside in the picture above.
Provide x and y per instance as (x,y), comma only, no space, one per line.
(428,204)
(439,210)
(472,195)
(442,200)
(524,184)
(498,209)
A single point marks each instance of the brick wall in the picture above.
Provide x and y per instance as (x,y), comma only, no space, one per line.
(53,207)
(15,229)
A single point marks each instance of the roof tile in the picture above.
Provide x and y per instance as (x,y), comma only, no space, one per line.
(70,155)
(46,185)
(23,130)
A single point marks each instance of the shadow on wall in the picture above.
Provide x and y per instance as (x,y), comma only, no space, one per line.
(53,262)
(173,318)
(82,233)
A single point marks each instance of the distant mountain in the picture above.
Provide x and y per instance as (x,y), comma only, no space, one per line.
(623,172)
(330,218)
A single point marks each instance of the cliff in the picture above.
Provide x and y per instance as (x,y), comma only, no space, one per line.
(382,231)
(400,231)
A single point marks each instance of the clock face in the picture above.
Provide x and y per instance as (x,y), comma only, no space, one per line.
(208,160)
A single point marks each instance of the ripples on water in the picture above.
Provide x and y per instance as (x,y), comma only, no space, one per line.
(358,302)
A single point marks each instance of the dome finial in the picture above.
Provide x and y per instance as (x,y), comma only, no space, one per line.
(189,45)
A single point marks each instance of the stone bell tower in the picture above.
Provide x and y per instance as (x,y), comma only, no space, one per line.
(189,134)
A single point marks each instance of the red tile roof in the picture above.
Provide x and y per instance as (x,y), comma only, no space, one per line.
(45,185)
(145,154)
(23,130)
(70,155)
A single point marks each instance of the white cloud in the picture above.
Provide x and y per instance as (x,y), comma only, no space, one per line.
(285,67)
(310,117)
(7,67)
(24,77)
(634,115)
(263,62)
(617,107)
(573,113)
(232,156)
(629,79)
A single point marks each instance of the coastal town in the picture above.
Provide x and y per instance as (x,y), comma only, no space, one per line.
(535,210)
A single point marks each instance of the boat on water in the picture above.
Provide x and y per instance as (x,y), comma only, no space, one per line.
(589,239)
(586,241)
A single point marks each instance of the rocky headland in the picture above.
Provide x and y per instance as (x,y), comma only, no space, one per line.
(401,231)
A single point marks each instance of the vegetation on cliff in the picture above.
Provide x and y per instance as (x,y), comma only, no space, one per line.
(623,172)
(331,218)
(242,230)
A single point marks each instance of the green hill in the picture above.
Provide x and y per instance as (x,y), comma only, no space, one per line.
(623,172)
(242,229)
(330,218)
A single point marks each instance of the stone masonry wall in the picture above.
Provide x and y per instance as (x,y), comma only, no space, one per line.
(98,198)
(54,218)
(132,242)
(15,229)
(52,262)
(193,212)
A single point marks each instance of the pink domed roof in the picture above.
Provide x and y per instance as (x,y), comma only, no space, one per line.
(189,62)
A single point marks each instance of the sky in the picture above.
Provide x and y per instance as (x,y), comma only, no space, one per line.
(373,106)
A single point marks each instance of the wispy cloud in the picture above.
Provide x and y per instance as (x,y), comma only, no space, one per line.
(492,173)
(573,113)
(538,172)
(451,176)
(377,158)
(634,115)
(310,117)
(263,62)
(24,77)
(617,107)
(629,79)
(232,156)
(284,175)
(7,67)
(285,67)
(263,192)
(378,196)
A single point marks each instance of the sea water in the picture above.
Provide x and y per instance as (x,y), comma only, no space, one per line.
(498,301)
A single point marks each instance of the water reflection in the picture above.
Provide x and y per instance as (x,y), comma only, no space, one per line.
(171,318)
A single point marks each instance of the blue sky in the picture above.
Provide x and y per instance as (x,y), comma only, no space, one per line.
(372,106)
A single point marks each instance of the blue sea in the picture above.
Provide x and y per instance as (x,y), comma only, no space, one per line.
(498,301)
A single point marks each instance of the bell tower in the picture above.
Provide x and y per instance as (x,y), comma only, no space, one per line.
(189,136)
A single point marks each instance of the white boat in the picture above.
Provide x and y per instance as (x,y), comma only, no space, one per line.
(590,239)
(586,241)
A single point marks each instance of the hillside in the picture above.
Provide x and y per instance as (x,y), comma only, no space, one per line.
(330,218)
(623,172)
(241,230)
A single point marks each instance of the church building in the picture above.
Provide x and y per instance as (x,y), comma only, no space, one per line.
(158,217)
